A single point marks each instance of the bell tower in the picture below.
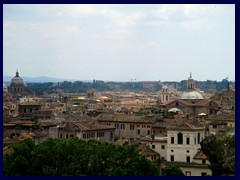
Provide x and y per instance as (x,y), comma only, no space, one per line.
(190,83)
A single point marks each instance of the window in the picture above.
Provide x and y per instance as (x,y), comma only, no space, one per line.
(172,140)
(203,161)
(187,140)
(187,173)
(172,158)
(111,135)
(188,159)
(60,135)
(195,141)
(122,126)
(163,147)
(198,138)
(100,134)
(131,126)
(180,138)
(177,104)
(153,146)
(203,173)
(84,136)
(148,132)
(66,136)
(187,151)
(171,150)
(138,131)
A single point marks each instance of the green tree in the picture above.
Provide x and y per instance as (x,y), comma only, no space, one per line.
(19,162)
(172,170)
(220,151)
(75,157)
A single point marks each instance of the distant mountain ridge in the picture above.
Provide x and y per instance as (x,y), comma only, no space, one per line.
(40,79)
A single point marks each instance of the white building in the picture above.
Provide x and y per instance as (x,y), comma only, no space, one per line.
(183,147)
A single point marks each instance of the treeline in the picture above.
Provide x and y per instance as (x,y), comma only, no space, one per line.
(83,87)
(75,157)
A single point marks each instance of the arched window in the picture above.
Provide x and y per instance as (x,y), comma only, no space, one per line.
(180,138)
(84,136)
(177,104)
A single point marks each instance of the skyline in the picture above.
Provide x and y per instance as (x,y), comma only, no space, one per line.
(120,42)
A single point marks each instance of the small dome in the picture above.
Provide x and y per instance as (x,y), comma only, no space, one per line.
(17,80)
(164,87)
(191,95)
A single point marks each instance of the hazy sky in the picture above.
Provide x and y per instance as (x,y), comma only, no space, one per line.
(120,42)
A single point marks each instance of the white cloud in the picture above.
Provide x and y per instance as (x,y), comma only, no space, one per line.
(196,24)
(121,34)
(148,45)
(82,9)
(187,16)
(123,20)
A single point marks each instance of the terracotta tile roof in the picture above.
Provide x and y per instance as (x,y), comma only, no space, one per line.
(168,102)
(187,126)
(222,116)
(126,118)
(144,150)
(205,102)
(92,126)
(200,156)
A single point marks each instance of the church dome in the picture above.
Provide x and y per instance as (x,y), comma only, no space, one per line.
(191,95)
(17,80)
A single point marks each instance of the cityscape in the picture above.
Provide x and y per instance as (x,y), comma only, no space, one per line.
(119,90)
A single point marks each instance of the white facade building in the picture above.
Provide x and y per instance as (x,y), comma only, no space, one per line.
(183,146)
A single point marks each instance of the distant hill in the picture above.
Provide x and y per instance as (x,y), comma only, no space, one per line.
(40,79)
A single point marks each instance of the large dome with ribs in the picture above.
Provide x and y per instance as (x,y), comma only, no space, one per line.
(191,95)
(17,80)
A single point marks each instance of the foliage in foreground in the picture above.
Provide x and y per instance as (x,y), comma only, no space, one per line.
(75,157)
(172,170)
(220,151)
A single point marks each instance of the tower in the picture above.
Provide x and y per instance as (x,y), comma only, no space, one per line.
(190,83)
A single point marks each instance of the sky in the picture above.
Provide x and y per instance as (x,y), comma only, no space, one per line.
(113,42)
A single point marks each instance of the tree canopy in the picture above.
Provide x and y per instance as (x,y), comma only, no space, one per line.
(220,151)
(75,157)
(172,170)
